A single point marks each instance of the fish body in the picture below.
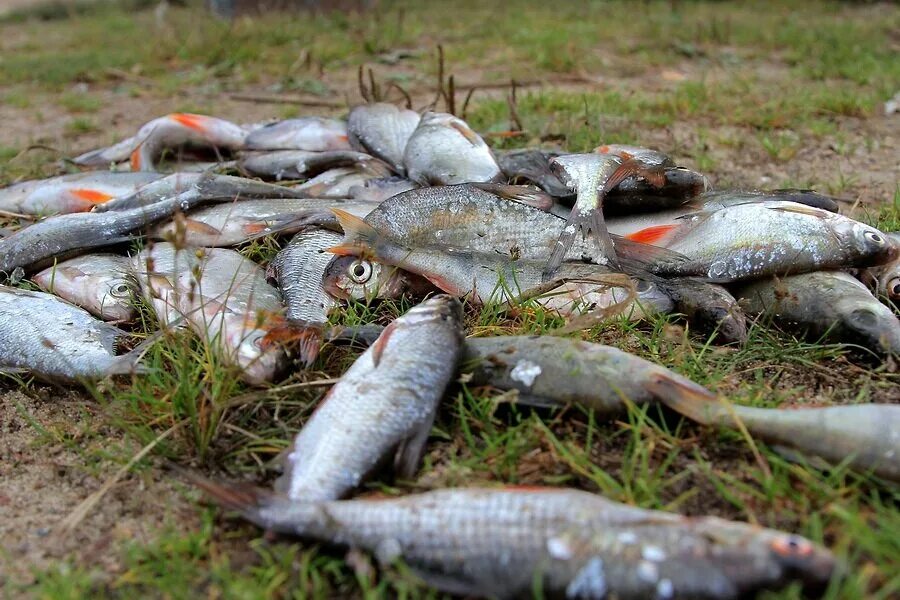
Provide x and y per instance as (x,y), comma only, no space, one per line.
(380,189)
(826,302)
(299,164)
(708,307)
(299,269)
(340,182)
(164,133)
(238,222)
(55,340)
(314,134)
(553,542)
(96,282)
(886,277)
(444,150)
(533,165)
(76,192)
(352,277)
(382,130)
(636,194)
(224,298)
(648,156)
(384,403)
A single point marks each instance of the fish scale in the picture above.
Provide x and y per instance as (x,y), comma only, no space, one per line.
(299,269)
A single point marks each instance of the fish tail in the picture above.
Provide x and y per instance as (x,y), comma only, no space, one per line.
(129,363)
(687,398)
(305,337)
(359,236)
(586,222)
(242,498)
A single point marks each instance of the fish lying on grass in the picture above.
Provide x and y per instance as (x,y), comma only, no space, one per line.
(314,134)
(382,130)
(238,222)
(223,296)
(46,336)
(339,183)
(886,278)
(385,403)
(356,278)
(828,302)
(518,542)
(98,283)
(299,164)
(865,436)
(444,150)
(636,194)
(533,165)
(168,132)
(76,192)
(708,307)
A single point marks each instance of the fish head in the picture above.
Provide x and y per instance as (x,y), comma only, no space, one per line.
(866,244)
(106,294)
(802,559)
(653,296)
(871,322)
(353,277)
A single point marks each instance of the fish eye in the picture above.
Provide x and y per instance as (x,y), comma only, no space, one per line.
(874,237)
(360,271)
(120,290)
(792,546)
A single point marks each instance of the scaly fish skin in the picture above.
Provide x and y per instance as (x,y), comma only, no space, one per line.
(385,402)
(339,183)
(648,156)
(352,277)
(382,130)
(299,269)
(443,150)
(77,192)
(510,542)
(314,134)
(533,164)
(299,164)
(96,282)
(55,340)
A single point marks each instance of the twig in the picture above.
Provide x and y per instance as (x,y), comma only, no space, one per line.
(276,99)
(12,215)
(376,92)
(512,102)
(363,90)
(465,107)
(406,95)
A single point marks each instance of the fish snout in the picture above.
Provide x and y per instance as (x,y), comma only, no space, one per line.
(876,246)
(803,559)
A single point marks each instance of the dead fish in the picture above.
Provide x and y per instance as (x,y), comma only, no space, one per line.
(76,192)
(380,189)
(299,164)
(314,134)
(530,541)
(52,339)
(444,150)
(385,403)
(238,222)
(648,156)
(721,198)
(356,278)
(168,132)
(495,278)
(96,282)
(886,277)
(533,165)
(757,239)
(635,194)
(591,176)
(865,435)
(707,306)
(382,130)
(828,302)
(340,182)
(224,298)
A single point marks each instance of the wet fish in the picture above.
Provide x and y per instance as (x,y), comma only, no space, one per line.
(865,435)
(352,277)
(768,238)
(444,150)
(829,302)
(591,176)
(76,192)
(168,132)
(224,298)
(708,307)
(385,403)
(96,282)
(299,164)
(314,134)
(238,222)
(381,189)
(340,182)
(886,277)
(382,130)
(722,198)
(554,542)
(648,156)
(635,194)
(52,339)
(532,164)
(487,278)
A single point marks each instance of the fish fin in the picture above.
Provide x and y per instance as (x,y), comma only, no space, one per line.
(587,222)
(450,584)
(200,227)
(190,120)
(381,343)
(644,256)
(517,193)
(801,209)
(534,401)
(91,196)
(256,228)
(466,132)
(359,236)
(242,498)
(686,397)
(306,336)
(135,159)
(410,451)
(651,235)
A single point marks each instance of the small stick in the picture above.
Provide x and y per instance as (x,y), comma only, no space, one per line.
(451,97)
(404,92)
(466,102)
(362,85)
(273,99)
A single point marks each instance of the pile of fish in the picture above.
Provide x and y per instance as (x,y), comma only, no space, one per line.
(391,204)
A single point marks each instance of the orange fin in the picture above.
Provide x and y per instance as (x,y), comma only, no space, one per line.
(135,159)
(255,228)
(200,227)
(359,236)
(306,336)
(381,343)
(189,120)
(651,235)
(92,196)
(466,132)
(686,397)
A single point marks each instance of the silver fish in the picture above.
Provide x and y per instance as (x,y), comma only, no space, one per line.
(707,306)
(886,278)
(553,542)
(532,164)
(339,183)
(76,192)
(444,150)
(352,277)
(96,282)
(676,187)
(224,298)
(381,189)
(385,403)
(382,130)
(648,156)
(299,269)
(828,302)
(299,164)
(52,339)
(315,134)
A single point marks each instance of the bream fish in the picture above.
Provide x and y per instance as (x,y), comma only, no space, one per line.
(99,283)
(314,134)
(76,192)
(444,150)
(382,130)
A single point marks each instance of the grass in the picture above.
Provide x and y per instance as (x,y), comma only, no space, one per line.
(725,87)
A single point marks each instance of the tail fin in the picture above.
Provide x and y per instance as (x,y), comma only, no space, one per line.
(307,337)
(242,498)
(128,363)
(687,398)
(359,236)
(587,222)
(519,193)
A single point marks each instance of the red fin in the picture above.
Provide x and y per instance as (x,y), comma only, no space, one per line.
(381,343)
(200,227)
(651,235)
(602,149)
(306,336)
(135,159)
(254,228)
(656,176)
(191,121)
(467,133)
(92,196)
(359,236)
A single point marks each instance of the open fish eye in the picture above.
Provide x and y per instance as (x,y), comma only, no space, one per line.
(893,288)
(360,271)
(792,546)
(874,237)
(120,290)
